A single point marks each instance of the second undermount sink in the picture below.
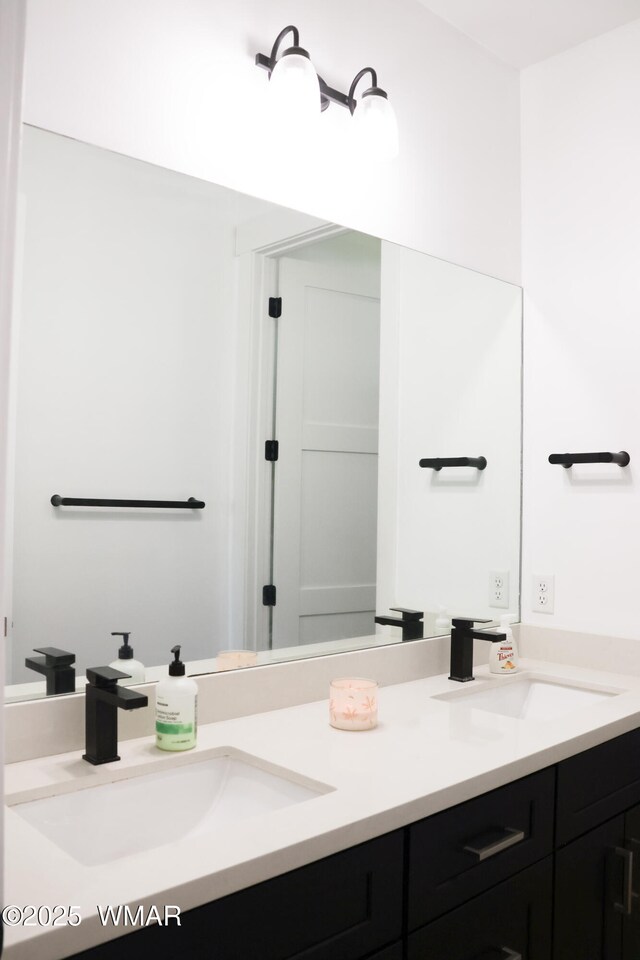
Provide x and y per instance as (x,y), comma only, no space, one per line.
(528,698)
(100,824)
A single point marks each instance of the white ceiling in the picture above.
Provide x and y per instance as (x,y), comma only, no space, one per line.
(522,32)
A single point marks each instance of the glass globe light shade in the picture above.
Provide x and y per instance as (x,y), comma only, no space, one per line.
(375,126)
(294,87)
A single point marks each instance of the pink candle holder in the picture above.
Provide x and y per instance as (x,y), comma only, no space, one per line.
(236,659)
(353,703)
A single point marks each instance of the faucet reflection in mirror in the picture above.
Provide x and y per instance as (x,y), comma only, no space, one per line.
(299,94)
(56,667)
(409,621)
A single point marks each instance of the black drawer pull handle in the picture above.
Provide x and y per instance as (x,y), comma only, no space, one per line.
(494,842)
(626,907)
(500,953)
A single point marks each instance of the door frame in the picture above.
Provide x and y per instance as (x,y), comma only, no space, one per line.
(259,245)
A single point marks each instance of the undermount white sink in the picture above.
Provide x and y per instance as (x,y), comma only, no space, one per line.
(528,698)
(100,824)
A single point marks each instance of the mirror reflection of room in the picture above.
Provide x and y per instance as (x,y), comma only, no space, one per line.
(151,363)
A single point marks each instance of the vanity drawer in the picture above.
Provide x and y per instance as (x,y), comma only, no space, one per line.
(511,920)
(597,784)
(458,853)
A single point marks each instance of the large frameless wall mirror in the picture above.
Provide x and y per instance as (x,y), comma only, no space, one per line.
(167,331)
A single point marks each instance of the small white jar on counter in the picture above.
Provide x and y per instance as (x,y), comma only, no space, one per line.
(503,657)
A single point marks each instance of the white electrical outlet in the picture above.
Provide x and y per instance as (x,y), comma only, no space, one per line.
(499,589)
(543,593)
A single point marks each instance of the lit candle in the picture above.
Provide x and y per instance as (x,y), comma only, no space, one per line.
(353,703)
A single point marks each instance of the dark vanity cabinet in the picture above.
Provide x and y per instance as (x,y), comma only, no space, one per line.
(344,907)
(587,923)
(544,868)
(597,882)
(631,916)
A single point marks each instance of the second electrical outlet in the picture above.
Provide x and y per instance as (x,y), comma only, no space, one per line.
(543,592)
(499,589)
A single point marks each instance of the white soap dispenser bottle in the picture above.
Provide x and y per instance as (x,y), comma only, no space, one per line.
(503,657)
(176,708)
(443,621)
(126,662)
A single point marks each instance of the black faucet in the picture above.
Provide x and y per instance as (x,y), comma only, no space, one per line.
(462,637)
(410,622)
(56,666)
(103,697)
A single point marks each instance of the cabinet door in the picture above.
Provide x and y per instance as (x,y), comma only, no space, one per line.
(631,904)
(394,952)
(512,921)
(346,906)
(596,785)
(589,895)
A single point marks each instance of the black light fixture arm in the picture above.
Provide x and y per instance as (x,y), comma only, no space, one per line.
(330,95)
(269,62)
(280,38)
(348,100)
(351,99)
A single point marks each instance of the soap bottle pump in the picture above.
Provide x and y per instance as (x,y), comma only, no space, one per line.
(176,708)
(125,662)
(503,657)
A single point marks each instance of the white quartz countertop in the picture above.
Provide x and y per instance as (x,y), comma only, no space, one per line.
(424,756)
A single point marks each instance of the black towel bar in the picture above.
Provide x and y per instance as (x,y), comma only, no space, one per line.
(190,504)
(568,459)
(437,463)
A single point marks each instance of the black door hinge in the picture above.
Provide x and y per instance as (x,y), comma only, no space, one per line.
(271,450)
(275,307)
(269,595)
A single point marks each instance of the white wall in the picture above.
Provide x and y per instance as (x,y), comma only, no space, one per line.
(581,213)
(127,361)
(175,84)
(449,387)
(12,26)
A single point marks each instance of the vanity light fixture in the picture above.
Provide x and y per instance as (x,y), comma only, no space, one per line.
(300,94)
(374,118)
(295,87)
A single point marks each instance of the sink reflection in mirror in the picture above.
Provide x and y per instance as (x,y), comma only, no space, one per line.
(528,697)
(154,360)
(149,810)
